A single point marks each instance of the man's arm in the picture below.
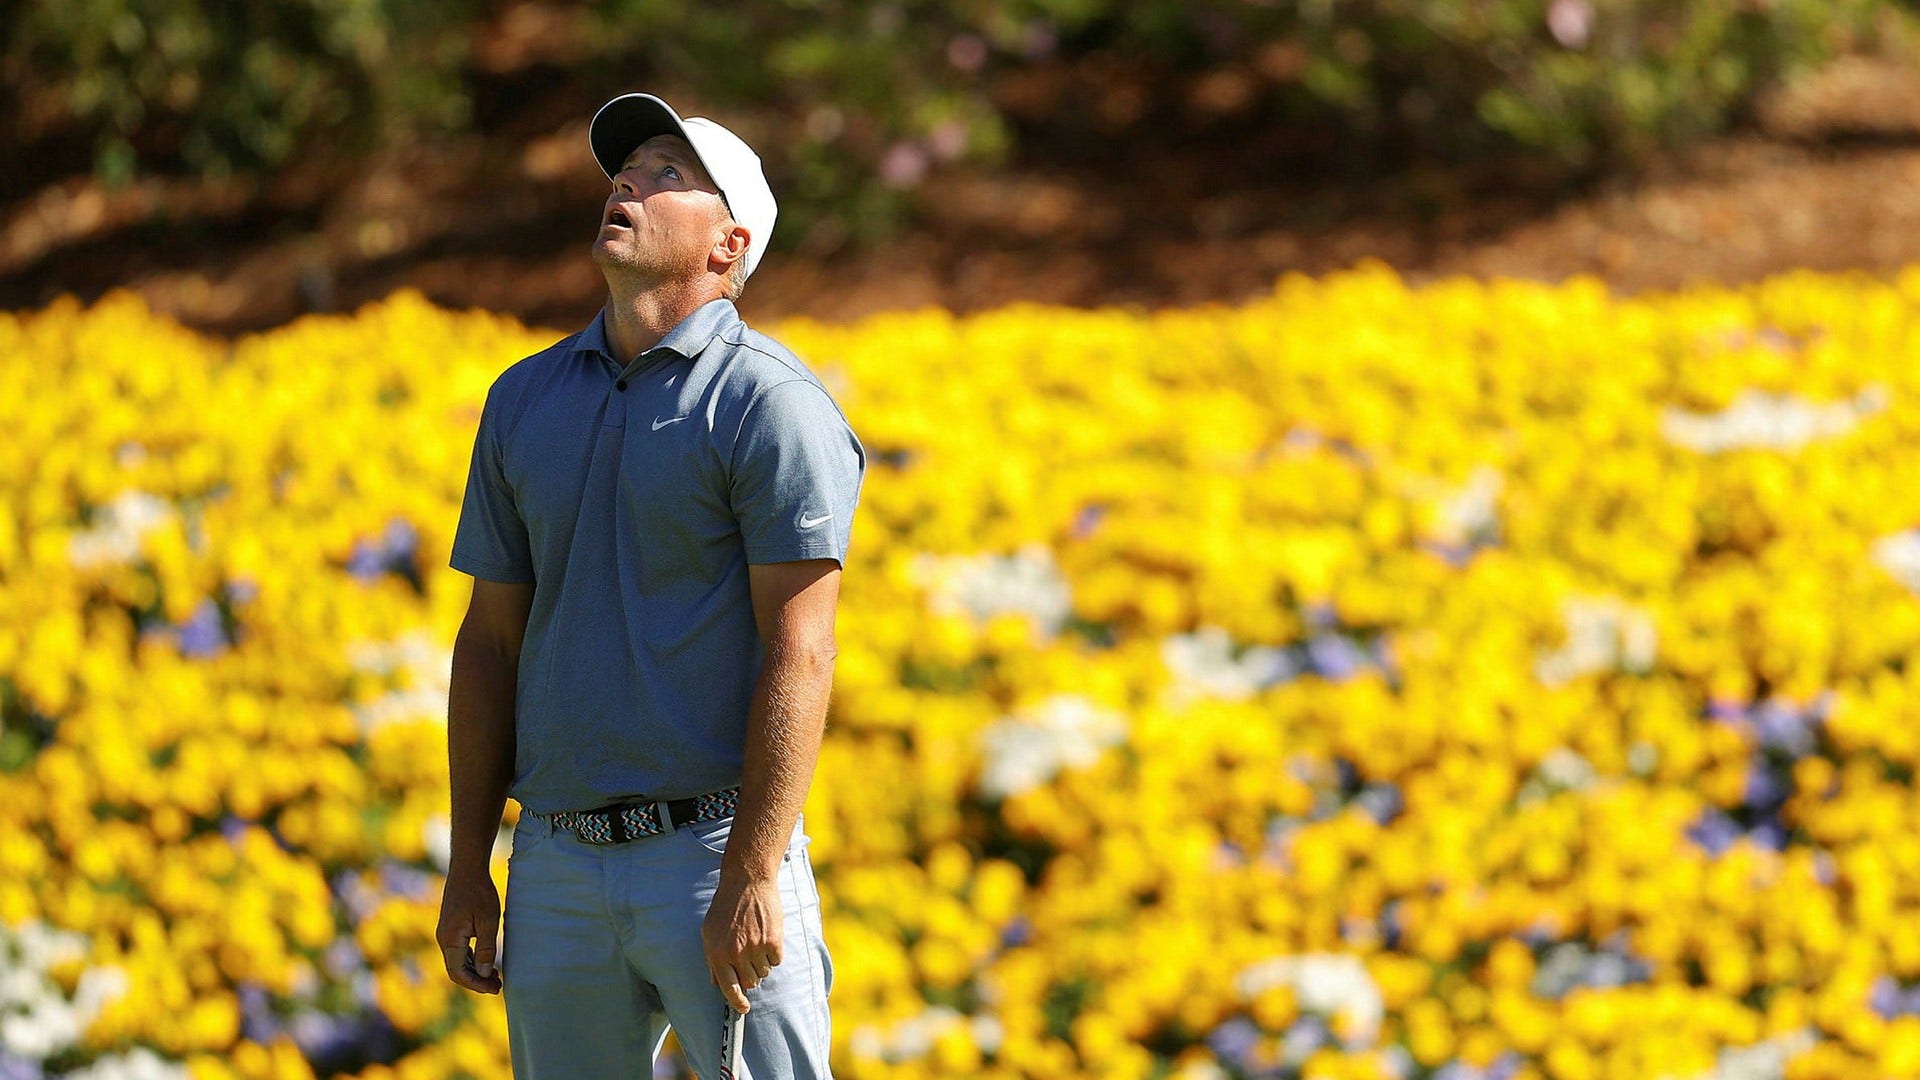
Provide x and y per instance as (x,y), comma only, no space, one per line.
(793,605)
(480,745)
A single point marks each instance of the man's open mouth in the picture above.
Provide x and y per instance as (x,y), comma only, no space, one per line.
(619,217)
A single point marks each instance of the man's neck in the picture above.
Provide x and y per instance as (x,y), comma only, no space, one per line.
(637,321)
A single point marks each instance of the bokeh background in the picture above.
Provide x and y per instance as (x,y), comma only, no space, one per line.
(1392,547)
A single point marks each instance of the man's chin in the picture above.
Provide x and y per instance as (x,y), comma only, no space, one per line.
(610,255)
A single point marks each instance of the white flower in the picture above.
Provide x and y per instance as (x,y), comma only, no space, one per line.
(1027,582)
(1205,662)
(1326,984)
(908,1040)
(118,528)
(1603,633)
(1473,511)
(37,1020)
(1560,770)
(1029,748)
(1764,1060)
(139,1063)
(1769,421)
(1899,555)
(426,668)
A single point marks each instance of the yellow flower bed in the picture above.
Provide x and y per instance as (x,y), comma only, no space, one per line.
(1479,680)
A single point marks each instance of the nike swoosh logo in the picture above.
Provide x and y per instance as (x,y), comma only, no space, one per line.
(809,522)
(659,423)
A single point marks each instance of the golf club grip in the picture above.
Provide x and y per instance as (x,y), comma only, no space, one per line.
(732,1038)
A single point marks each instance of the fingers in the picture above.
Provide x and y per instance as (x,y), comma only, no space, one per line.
(729,982)
(483,956)
(467,967)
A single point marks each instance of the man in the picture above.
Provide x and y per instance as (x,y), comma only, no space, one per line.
(655,518)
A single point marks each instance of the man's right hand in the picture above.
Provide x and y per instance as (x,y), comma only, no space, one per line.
(469,922)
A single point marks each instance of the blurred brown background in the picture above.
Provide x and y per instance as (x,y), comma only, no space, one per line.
(241,168)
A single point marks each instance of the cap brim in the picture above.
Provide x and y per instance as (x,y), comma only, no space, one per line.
(626,122)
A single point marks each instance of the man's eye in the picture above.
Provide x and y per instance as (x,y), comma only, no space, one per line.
(670,171)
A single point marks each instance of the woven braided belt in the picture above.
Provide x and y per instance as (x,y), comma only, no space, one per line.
(621,822)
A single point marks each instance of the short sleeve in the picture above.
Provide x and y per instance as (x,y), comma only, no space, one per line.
(796,475)
(491,539)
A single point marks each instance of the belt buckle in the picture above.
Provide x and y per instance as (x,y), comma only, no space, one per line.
(618,830)
(591,825)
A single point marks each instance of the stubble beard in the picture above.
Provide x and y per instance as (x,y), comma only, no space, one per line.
(631,269)
(625,268)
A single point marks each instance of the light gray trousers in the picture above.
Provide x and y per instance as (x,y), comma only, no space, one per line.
(601,952)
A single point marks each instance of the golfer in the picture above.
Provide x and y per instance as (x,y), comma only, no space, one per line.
(656,516)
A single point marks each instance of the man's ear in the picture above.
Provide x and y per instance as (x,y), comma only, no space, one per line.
(730,247)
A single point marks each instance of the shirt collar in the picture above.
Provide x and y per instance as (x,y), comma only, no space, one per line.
(688,337)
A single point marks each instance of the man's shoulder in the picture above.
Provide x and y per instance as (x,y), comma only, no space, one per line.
(519,382)
(530,365)
(757,361)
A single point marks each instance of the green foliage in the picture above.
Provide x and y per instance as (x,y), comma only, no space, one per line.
(226,85)
(867,95)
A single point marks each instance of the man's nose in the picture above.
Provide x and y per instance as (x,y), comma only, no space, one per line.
(627,181)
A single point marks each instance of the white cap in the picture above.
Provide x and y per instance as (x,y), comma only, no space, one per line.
(631,119)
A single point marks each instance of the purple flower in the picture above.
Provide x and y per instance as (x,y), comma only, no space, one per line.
(1392,924)
(1504,1067)
(1016,933)
(1454,555)
(1382,801)
(402,540)
(1764,790)
(18,1068)
(343,958)
(1333,656)
(1729,710)
(1886,998)
(1713,831)
(1770,835)
(400,879)
(1087,520)
(1309,1033)
(322,1037)
(359,898)
(367,561)
(202,634)
(1782,728)
(1321,615)
(258,1021)
(393,552)
(1234,1040)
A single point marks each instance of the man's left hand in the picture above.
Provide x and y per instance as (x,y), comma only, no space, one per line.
(741,935)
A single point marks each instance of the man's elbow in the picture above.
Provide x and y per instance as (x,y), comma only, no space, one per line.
(485,646)
(807,654)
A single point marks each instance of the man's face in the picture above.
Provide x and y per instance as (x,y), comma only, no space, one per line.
(663,214)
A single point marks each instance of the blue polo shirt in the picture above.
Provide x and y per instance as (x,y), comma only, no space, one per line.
(634,496)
